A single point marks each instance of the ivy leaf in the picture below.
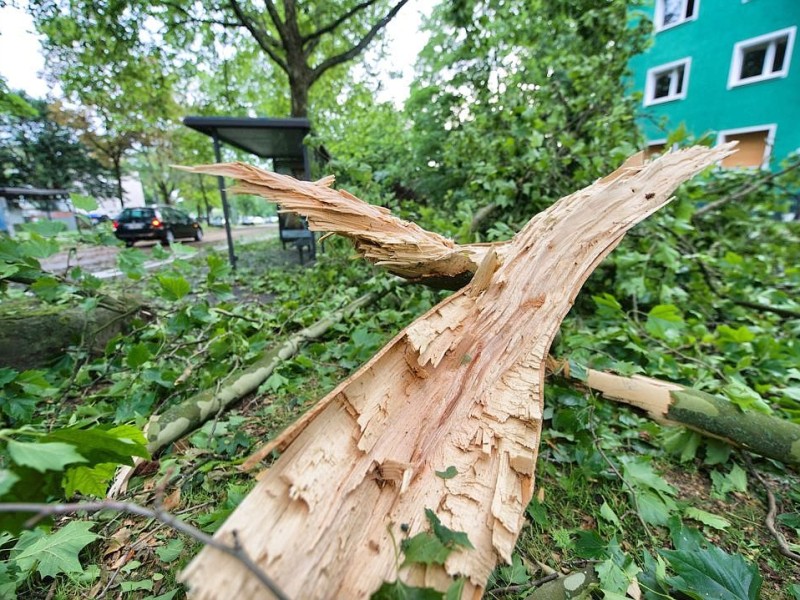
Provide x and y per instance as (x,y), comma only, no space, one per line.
(56,553)
(713,573)
(174,288)
(448,473)
(397,590)
(43,457)
(424,548)
(664,321)
(447,536)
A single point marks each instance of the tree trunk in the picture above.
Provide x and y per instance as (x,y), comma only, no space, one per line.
(190,414)
(118,176)
(33,334)
(459,390)
(205,200)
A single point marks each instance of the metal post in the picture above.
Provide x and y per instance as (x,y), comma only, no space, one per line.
(225,209)
(307,170)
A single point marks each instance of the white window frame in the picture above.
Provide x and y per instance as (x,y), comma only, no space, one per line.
(740,47)
(659,15)
(769,142)
(654,72)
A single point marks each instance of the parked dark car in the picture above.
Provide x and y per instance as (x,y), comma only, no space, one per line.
(162,223)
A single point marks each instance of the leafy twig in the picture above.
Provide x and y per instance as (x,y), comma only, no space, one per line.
(43,510)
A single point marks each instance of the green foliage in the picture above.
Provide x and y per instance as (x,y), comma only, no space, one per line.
(36,150)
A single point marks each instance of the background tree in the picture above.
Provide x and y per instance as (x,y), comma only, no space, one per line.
(38,150)
(511,118)
(304,41)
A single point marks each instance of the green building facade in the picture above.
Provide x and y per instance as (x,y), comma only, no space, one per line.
(728,68)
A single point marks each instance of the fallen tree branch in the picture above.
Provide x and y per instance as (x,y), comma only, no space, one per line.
(190,414)
(672,404)
(42,511)
(401,247)
(459,388)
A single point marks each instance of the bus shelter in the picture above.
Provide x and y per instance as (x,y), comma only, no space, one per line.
(278,139)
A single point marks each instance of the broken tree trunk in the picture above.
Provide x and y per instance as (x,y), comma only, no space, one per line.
(461,387)
(673,404)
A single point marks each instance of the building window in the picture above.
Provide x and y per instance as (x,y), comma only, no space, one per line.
(667,82)
(674,12)
(754,149)
(763,57)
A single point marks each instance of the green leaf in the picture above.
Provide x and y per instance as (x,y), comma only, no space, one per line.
(132,586)
(445,535)
(641,474)
(713,573)
(607,513)
(424,548)
(590,545)
(99,445)
(538,513)
(664,321)
(43,457)
(448,473)
(707,518)
(82,202)
(137,355)
(397,590)
(7,481)
(456,589)
(655,509)
(735,481)
(515,573)
(45,228)
(58,552)
(171,551)
(166,596)
(174,288)
(91,481)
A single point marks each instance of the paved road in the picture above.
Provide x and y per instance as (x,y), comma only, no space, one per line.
(100,258)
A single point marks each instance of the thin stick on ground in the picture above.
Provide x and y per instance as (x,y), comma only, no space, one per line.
(43,510)
(772,511)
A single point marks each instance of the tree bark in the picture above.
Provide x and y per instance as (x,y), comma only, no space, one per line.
(34,334)
(460,387)
(190,414)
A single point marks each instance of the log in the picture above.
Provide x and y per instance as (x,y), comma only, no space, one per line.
(460,387)
(34,334)
(712,416)
(190,414)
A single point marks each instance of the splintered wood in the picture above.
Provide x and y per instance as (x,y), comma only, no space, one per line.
(460,387)
(399,246)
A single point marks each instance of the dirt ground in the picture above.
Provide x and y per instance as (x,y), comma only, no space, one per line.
(99,258)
